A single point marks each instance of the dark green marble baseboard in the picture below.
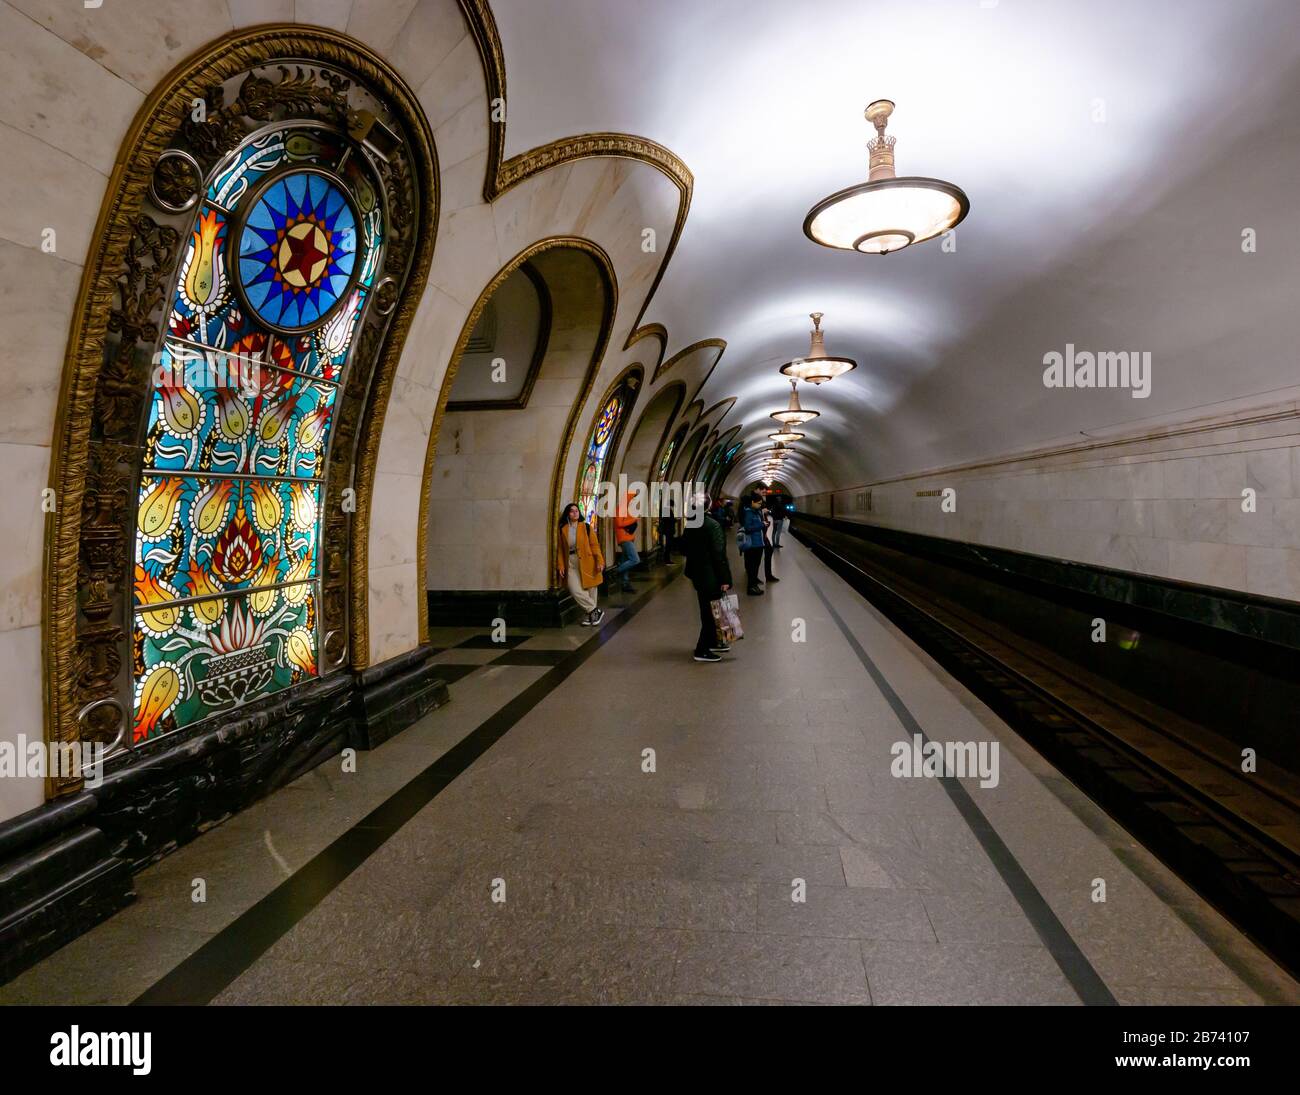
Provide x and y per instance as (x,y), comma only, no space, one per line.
(68,864)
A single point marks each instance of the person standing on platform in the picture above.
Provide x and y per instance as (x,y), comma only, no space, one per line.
(625,541)
(705,550)
(580,562)
(768,546)
(778,526)
(751,544)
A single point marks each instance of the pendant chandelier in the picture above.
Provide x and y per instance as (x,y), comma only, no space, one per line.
(818,367)
(785,436)
(885,213)
(794,414)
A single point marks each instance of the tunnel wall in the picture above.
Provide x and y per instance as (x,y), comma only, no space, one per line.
(1167,502)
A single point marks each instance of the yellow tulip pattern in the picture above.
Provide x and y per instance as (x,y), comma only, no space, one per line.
(226,577)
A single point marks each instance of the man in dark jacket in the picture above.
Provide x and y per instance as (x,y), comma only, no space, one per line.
(705,549)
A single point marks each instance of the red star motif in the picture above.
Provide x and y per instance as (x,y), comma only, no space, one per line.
(304,255)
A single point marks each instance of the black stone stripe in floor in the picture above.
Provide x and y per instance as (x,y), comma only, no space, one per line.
(531,657)
(211,968)
(1073,963)
(487,642)
(450,672)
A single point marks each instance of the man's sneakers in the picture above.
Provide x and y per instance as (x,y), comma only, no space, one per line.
(594,617)
(755,592)
(773,578)
(725,648)
(709,657)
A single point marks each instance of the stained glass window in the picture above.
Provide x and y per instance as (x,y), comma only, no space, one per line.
(666,461)
(603,436)
(270,292)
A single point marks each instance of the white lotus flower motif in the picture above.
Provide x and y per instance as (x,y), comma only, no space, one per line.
(238,631)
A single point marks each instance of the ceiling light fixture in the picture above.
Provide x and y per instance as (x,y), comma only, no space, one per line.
(818,367)
(794,414)
(785,436)
(885,213)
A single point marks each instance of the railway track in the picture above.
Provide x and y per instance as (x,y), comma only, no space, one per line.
(1231,836)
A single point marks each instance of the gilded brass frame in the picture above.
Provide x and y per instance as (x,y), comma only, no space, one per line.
(502,174)
(718,344)
(154,126)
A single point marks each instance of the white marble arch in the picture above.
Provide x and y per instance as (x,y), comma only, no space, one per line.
(606,201)
(75,78)
(490,506)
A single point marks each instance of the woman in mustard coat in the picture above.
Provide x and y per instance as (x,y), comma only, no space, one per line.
(580,562)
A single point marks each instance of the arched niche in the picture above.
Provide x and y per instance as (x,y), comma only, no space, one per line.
(494,470)
(696,466)
(198,413)
(503,357)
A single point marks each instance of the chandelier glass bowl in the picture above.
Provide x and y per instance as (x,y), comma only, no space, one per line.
(886,213)
(794,413)
(818,367)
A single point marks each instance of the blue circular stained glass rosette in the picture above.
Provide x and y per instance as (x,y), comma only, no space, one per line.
(297,251)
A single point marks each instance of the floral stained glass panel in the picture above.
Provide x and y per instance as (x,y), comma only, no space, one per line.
(597,451)
(270,293)
(237,414)
(191,659)
(196,537)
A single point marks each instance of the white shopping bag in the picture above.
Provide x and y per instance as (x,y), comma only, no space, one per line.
(726,613)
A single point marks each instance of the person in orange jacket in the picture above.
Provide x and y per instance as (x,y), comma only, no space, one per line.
(625,540)
(580,562)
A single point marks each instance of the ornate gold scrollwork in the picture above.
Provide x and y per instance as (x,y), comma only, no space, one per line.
(503,174)
(177,181)
(286,71)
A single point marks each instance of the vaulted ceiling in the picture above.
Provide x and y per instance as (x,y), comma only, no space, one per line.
(1113,153)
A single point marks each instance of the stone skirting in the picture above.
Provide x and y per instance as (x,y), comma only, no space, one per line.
(67,865)
(526,608)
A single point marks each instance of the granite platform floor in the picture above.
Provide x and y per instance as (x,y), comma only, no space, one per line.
(646,829)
